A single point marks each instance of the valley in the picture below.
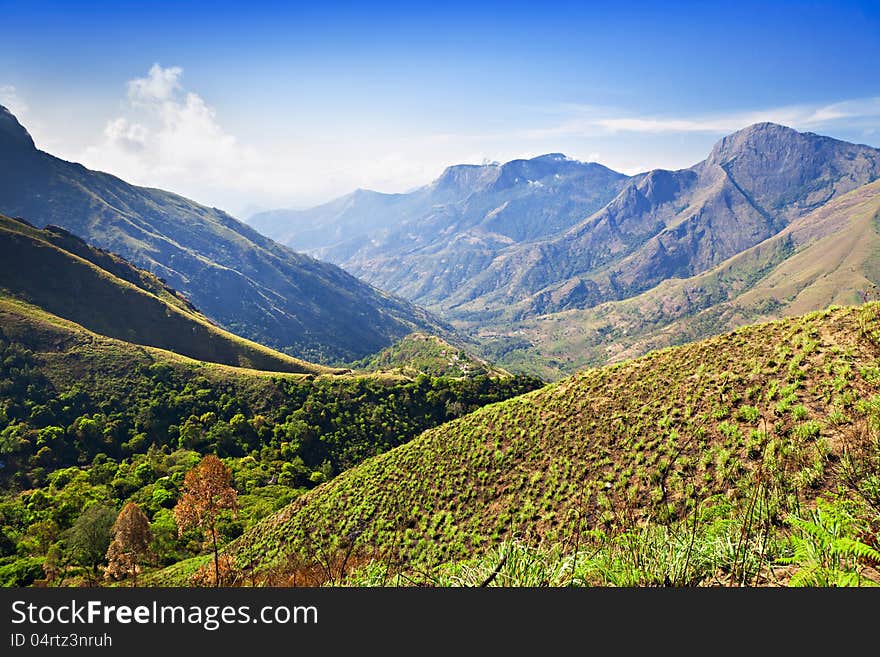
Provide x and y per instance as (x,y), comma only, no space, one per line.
(241,280)
(529,257)
(536,373)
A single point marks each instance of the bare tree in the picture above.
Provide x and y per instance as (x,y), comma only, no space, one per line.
(130,544)
(206,492)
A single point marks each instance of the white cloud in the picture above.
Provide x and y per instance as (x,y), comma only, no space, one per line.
(128,136)
(591,121)
(10,99)
(168,137)
(160,84)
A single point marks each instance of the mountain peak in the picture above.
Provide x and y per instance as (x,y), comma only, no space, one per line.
(12,132)
(764,126)
(551,157)
(466,175)
(755,137)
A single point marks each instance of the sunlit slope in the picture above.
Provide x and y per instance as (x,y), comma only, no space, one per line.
(634,441)
(59,273)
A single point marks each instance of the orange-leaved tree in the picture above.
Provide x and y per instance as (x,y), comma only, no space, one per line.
(205,493)
(130,544)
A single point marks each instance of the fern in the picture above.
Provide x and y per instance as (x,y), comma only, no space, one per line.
(825,550)
(859,549)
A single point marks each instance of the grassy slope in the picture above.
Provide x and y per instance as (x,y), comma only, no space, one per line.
(58,272)
(627,441)
(830,256)
(69,353)
(428,354)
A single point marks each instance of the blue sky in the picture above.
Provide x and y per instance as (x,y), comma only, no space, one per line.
(257,105)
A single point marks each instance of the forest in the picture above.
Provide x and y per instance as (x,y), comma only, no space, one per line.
(71,457)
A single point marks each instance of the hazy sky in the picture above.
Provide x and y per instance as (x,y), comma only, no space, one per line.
(257,105)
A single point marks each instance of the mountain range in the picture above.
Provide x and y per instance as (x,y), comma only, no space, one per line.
(735,459)
(238,278)
(431,243)
(828,256)
(509,251)
(58,273)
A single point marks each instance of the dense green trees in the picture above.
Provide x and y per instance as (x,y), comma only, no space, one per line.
(73,453)
(89,537)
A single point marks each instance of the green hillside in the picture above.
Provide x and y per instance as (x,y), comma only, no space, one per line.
(421,353)
(58,272)
(749,427)
(89,423)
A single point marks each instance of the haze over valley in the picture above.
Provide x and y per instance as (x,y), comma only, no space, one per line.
(461,295)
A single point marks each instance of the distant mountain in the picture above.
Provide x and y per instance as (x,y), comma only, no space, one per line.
(538,236)
(60,274)
(245,282)
(677,223)
(429,243)
(828,256)
(525,287)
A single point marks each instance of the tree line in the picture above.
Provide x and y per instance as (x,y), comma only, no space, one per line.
(73,455)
